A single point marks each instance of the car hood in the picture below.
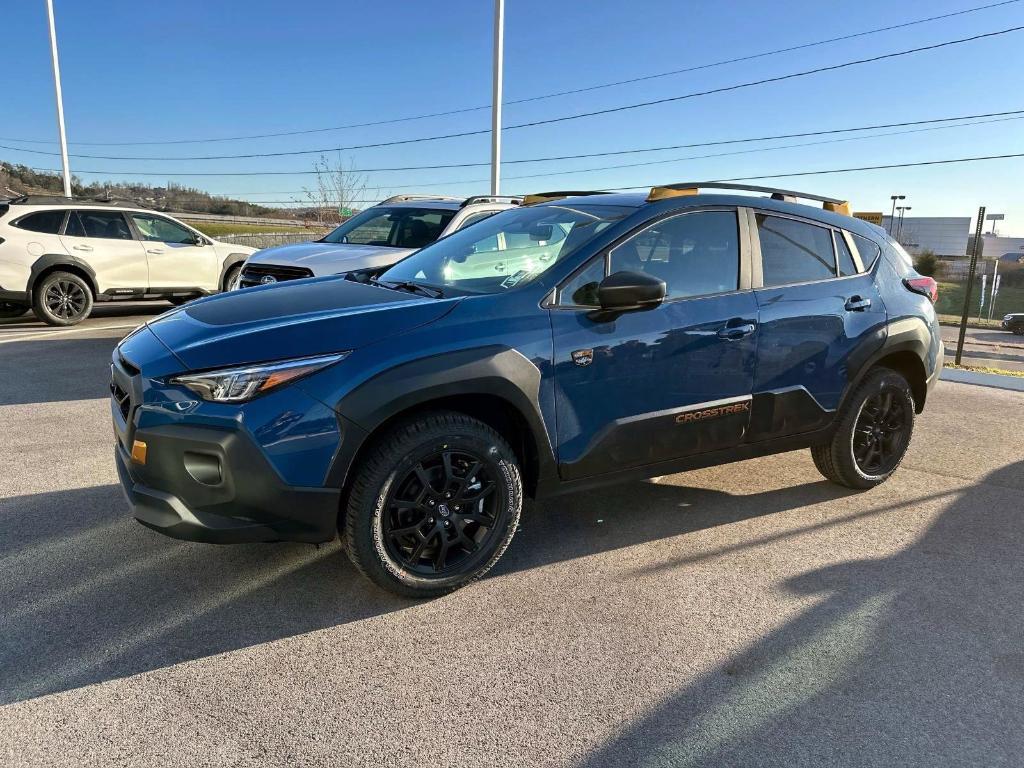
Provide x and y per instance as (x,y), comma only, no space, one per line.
(330,258)
(297,318)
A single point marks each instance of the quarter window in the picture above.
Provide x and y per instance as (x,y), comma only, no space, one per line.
(847,266)
(106,224)
(794,252)
(696,254)
(869,251)
(581,290)
(162,230)
(47,222)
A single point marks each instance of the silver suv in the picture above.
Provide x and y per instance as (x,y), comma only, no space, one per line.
(376,237)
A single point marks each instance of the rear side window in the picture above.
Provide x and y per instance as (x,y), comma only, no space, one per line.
(106,224)
(696,254)
(869,251)
(47,222)
(473,218)
(794,252)
(847,266)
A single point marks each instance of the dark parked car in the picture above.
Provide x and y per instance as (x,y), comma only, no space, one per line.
(1014,323)
(625,336)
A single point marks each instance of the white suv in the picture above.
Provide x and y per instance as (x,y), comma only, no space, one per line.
(58,256)
(373,239)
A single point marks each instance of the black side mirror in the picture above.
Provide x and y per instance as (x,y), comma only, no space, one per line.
(626,291)
(198,239)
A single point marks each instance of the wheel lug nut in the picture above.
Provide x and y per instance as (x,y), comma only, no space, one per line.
(447,524)
(431,502)
(448,495)
(457,507)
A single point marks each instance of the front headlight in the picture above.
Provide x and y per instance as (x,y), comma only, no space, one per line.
(236,385)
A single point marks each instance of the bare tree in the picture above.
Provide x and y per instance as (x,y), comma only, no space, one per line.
(339,189)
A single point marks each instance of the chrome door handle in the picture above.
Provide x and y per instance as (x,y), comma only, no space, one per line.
(733,332)
(857,304)
(82,247)
(154,250)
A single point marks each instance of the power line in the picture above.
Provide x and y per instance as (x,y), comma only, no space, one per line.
(691,145)
(849,170)
(464,110)
(548,121)
(665,161)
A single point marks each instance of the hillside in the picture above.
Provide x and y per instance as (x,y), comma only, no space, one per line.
(18,180)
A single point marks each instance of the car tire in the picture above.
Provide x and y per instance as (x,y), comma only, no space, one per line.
(400,528)
(873,432)
(8,310)
(62,299)
(231,277)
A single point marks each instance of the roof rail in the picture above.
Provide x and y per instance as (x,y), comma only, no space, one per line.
(404,198)
(693,187)
(514,199)
(61,200)
(543,197)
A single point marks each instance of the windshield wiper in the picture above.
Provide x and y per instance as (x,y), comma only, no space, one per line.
(409,285)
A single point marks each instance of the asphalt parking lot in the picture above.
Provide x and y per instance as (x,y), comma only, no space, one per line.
(749,614)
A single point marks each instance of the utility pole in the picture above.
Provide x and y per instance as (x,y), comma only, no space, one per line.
(970,283)
(60,101)
(903,209)
(499,60)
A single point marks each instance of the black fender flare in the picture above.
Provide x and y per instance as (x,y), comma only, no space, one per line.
(903,335)
(51,260)
(230,261)
(494,371)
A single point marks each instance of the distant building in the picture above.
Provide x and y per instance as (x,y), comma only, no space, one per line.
(943,235)
(1003,248)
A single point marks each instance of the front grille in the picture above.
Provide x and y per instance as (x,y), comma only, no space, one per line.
(122,399)
(261,274)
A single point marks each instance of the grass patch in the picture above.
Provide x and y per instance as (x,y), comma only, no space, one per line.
(217,228)
(985,369)
(951,301)
(972,322)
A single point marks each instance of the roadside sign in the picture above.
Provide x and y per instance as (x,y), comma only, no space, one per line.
(871,216)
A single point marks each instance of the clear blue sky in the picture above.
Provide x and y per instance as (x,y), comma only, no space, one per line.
(149,71)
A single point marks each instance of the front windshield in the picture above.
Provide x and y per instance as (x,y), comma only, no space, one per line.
(506,250)
(397,227)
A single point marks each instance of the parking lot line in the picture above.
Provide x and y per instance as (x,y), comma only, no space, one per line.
(48,334)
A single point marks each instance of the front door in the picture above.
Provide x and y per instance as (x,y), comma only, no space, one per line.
(103,240)
(664,383)
(175,259)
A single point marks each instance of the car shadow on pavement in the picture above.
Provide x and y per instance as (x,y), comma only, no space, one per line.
(55,370)
(100,311)
(912,659)
(90,595)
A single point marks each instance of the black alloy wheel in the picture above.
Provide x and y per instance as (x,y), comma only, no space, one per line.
(433,504)
(882,432)
(61,299)
(872,432)
(65,299)
(441,513)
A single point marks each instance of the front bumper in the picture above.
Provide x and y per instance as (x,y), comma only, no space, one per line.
(214,486)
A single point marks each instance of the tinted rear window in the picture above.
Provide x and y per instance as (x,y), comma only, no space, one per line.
(794,252)
(869,251)
(47,222)
(845,258)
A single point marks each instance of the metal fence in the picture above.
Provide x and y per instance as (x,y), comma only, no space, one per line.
(269,239)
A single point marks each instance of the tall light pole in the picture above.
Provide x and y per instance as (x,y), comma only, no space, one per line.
(902,209)
(499,58)
(892,216)
(60,101)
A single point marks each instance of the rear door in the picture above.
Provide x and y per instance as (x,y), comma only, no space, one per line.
(820,315)
(104,241)
(174,257)
(663,383)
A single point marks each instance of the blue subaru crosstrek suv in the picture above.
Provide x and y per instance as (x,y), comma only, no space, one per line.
(579,339)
